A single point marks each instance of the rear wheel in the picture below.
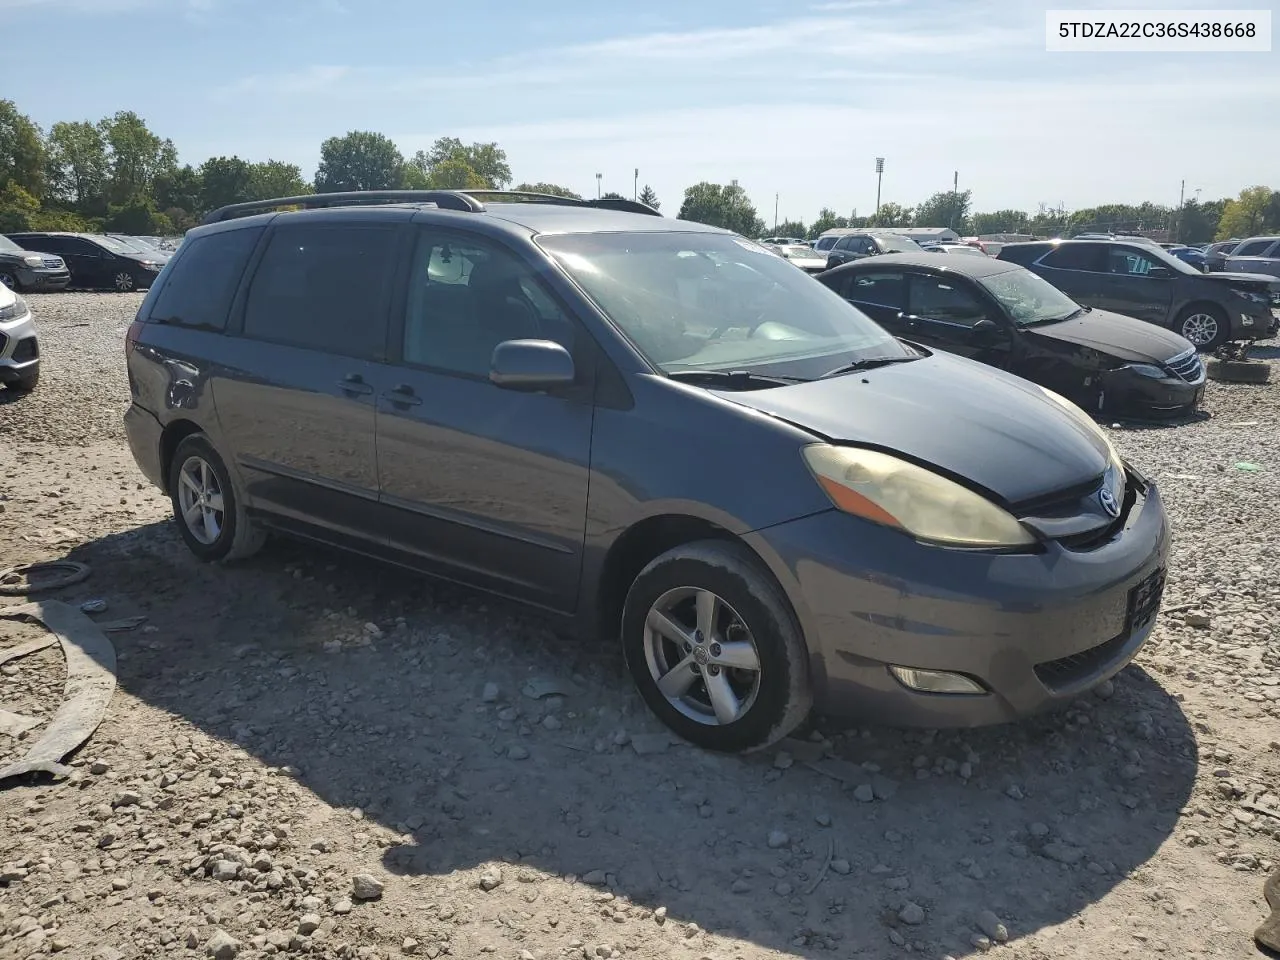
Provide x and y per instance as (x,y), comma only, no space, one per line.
(1238,371)
(1205,325)
(206,505)
(714,649)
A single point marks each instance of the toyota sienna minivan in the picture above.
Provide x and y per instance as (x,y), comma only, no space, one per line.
(660,432)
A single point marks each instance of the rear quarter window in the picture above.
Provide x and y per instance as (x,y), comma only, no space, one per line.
(203,280)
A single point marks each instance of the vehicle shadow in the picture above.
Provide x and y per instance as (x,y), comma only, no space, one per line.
(369,685)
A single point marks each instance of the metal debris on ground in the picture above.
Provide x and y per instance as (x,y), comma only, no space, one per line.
(90,683)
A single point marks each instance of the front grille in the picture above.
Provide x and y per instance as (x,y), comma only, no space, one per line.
(25,350)
(53,263)
(1187,366)
(1067,672)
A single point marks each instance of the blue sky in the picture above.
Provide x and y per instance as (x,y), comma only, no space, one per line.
(790,98)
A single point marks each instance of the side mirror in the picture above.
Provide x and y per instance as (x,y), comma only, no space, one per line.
(987,331)
(531,365)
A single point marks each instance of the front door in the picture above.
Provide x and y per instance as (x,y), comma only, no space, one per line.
(1137,285)
(881,295)
(295,396)
(84,259)
(943,312)
(482,484)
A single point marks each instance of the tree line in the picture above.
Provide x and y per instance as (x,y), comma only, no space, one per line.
(116,174)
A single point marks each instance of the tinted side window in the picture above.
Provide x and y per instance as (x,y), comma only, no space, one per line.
(1126,260)
(466,296)
(1254,248)
(937,298)
(1076,256)
(878,289)
(324,287)
(199,289)
(43,244)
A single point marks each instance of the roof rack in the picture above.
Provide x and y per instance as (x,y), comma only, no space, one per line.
(468,201)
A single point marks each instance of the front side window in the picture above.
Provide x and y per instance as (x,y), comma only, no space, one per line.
(714,301)
(201,284)
(943,298)
(824,243)
(324,287)
(467,295)
(895,244)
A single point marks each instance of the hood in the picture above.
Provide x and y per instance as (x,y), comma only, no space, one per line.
(963,418)
(7,296)
(1127,339)
(1229,277)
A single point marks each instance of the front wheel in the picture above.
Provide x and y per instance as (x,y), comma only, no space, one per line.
(123,281)
(714,648)
(1206,326)
(9,280)
(209,512)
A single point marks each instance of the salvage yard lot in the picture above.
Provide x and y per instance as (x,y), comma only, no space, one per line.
(288,724)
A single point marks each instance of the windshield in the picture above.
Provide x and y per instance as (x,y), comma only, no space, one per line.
(1161,256)
(825,243)
(1028,298)
(796,250)
(138,246)
(113,244)
(895,244)
(8,246)
(713,301)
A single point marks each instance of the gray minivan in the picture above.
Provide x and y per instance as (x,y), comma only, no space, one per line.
(661,433)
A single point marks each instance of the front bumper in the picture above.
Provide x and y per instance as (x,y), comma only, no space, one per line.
(1126,394)
(43,280)
(1254,322)
(1035,630)
(19,349)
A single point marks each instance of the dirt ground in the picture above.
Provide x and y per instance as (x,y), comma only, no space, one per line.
(310,753)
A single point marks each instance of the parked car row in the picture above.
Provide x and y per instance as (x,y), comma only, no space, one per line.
(919,538)
(34,261)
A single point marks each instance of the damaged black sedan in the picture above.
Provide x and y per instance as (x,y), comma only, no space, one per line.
(1004,315)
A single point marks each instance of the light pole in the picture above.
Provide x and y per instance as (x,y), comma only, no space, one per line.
(775,213)
(635,190)
(599,178)
(955,195)
(879,177)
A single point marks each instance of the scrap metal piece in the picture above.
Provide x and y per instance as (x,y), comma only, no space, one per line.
(91,681)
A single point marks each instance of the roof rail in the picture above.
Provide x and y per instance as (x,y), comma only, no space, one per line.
(448,199)
(526,196)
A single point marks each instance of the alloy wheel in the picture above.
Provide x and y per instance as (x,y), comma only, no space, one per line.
(124,281)
(8,281)
(1200,328)
(200,499)
(702,656)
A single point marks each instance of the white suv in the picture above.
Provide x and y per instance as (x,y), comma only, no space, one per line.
(19,350)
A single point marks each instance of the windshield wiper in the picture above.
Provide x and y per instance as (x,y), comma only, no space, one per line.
(866,363)
(1067,316)
(733,379)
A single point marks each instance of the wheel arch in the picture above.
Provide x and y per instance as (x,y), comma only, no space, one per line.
(173,434)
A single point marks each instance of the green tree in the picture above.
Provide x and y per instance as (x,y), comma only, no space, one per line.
(179,189)
(225,180)
(554,189)
(612,196)
(77,165)
(1000,221)
(891,215)
(828,219)
(22,158)
(138,216)
(361,160)
(792,228)
(137,155)
(721,206)
(275,178)
(649,197)
(488,160)
(17,208)
(1198,222)
(1246,215)
(945,209)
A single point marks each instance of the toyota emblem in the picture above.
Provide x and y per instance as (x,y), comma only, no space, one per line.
(1109,502)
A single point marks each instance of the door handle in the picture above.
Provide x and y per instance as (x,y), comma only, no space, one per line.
(404,396)
(354,383)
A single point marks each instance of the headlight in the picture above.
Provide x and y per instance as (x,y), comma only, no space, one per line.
(1086,421)
(14,310)
(33,260)
(1251,296)
(892,492)
(1147,370)
(149,265)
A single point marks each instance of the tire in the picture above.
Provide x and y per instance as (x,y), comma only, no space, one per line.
(213,534)
(752,620)
(9,280)
(1237,371)
(1198,321)
(123,282)
(27,382)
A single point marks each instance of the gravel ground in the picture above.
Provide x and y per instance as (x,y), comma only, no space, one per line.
(310,753)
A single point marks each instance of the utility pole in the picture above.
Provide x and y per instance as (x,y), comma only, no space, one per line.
(599,178)
(955,196)
(635,190)
(879,178)
(775,213)
(1182,199)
